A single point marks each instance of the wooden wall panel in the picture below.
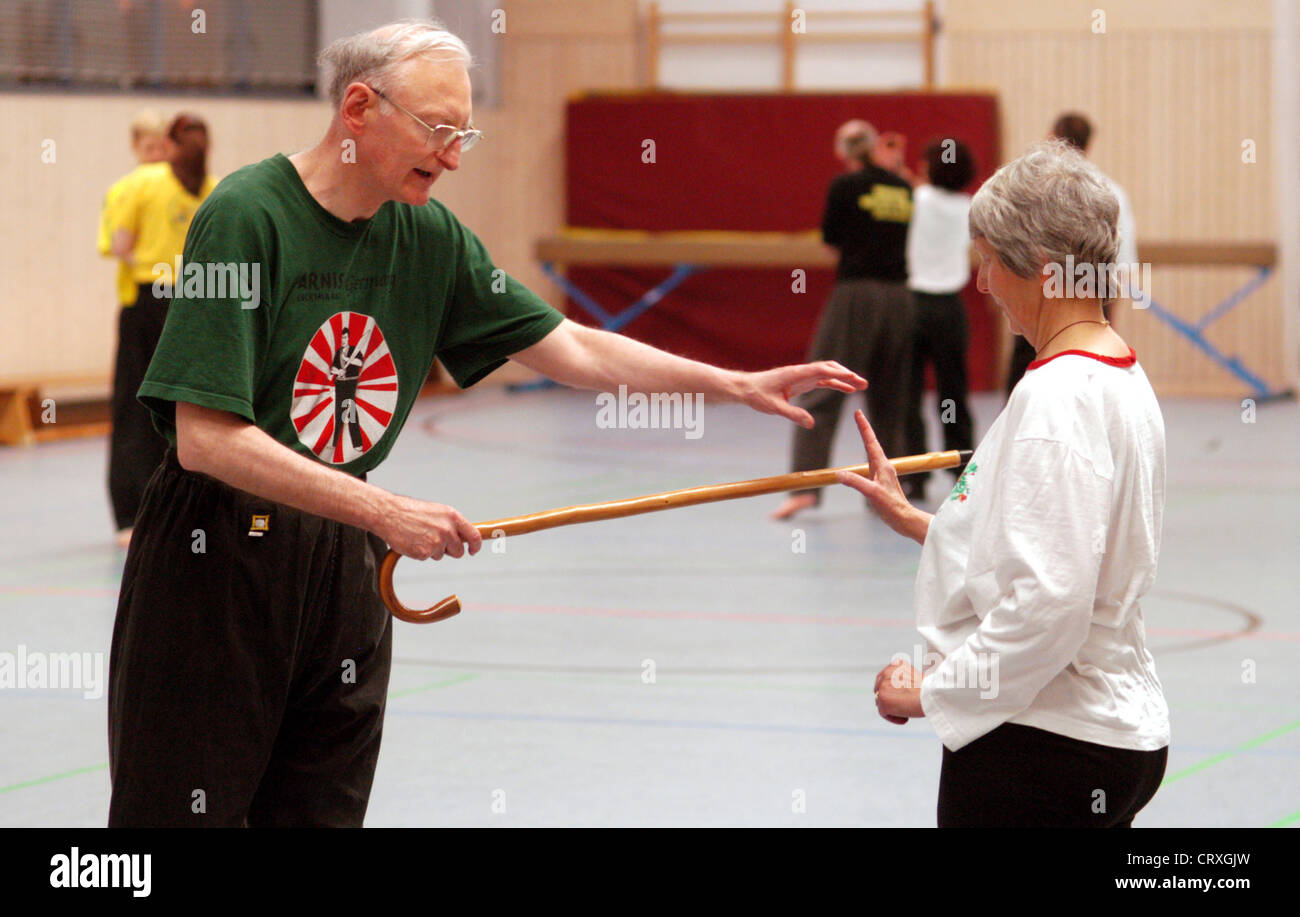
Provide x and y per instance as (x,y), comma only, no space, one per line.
(56,293)
(1172,96)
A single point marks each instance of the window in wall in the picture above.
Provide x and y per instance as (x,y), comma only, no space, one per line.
(221,45)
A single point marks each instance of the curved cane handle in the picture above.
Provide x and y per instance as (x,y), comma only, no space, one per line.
(653,503)
(440,612)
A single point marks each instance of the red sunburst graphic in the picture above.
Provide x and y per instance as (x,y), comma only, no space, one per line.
(346,389)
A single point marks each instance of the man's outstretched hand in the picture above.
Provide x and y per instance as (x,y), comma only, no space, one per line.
(770,392)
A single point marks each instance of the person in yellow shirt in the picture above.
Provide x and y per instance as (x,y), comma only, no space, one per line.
(146,217)
(149,144)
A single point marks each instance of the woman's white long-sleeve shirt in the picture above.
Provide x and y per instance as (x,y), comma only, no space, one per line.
(1034,565)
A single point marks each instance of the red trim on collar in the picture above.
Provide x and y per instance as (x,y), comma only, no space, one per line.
(1123,362)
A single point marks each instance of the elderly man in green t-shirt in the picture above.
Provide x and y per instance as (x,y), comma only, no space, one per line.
(251,651)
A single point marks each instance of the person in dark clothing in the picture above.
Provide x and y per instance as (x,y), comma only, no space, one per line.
(145,219)
(251,650)
(938,267)
(346,371)
(867,322)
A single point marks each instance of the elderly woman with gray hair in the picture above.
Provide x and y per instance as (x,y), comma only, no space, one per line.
(1037,677)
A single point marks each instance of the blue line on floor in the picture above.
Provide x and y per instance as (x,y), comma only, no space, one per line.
(759,727)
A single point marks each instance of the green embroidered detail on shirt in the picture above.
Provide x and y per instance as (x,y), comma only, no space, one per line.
(961,490)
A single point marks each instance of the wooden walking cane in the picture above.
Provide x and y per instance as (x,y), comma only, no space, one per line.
(653,503)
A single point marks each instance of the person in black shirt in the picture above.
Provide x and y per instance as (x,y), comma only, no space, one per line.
(846,136)
(867,322)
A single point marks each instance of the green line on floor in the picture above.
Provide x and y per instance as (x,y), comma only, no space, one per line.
(446,683)
(1224,755)
(52,777)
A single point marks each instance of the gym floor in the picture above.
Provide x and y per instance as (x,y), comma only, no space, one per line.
(691,667)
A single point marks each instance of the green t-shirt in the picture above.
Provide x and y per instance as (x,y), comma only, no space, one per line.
(346,318)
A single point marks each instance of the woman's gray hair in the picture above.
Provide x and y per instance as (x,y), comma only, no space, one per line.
(370,57)
(1049,204)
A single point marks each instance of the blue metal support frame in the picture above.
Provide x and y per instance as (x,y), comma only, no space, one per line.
(607,321)
(1194,333)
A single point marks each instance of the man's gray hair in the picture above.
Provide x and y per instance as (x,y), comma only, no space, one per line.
(1048,204)
(370,57)
(855,140)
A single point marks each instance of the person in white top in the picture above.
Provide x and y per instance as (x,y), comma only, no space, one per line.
(938,267)
(1036,674)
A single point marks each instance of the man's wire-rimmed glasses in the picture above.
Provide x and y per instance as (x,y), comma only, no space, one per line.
(441,136)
